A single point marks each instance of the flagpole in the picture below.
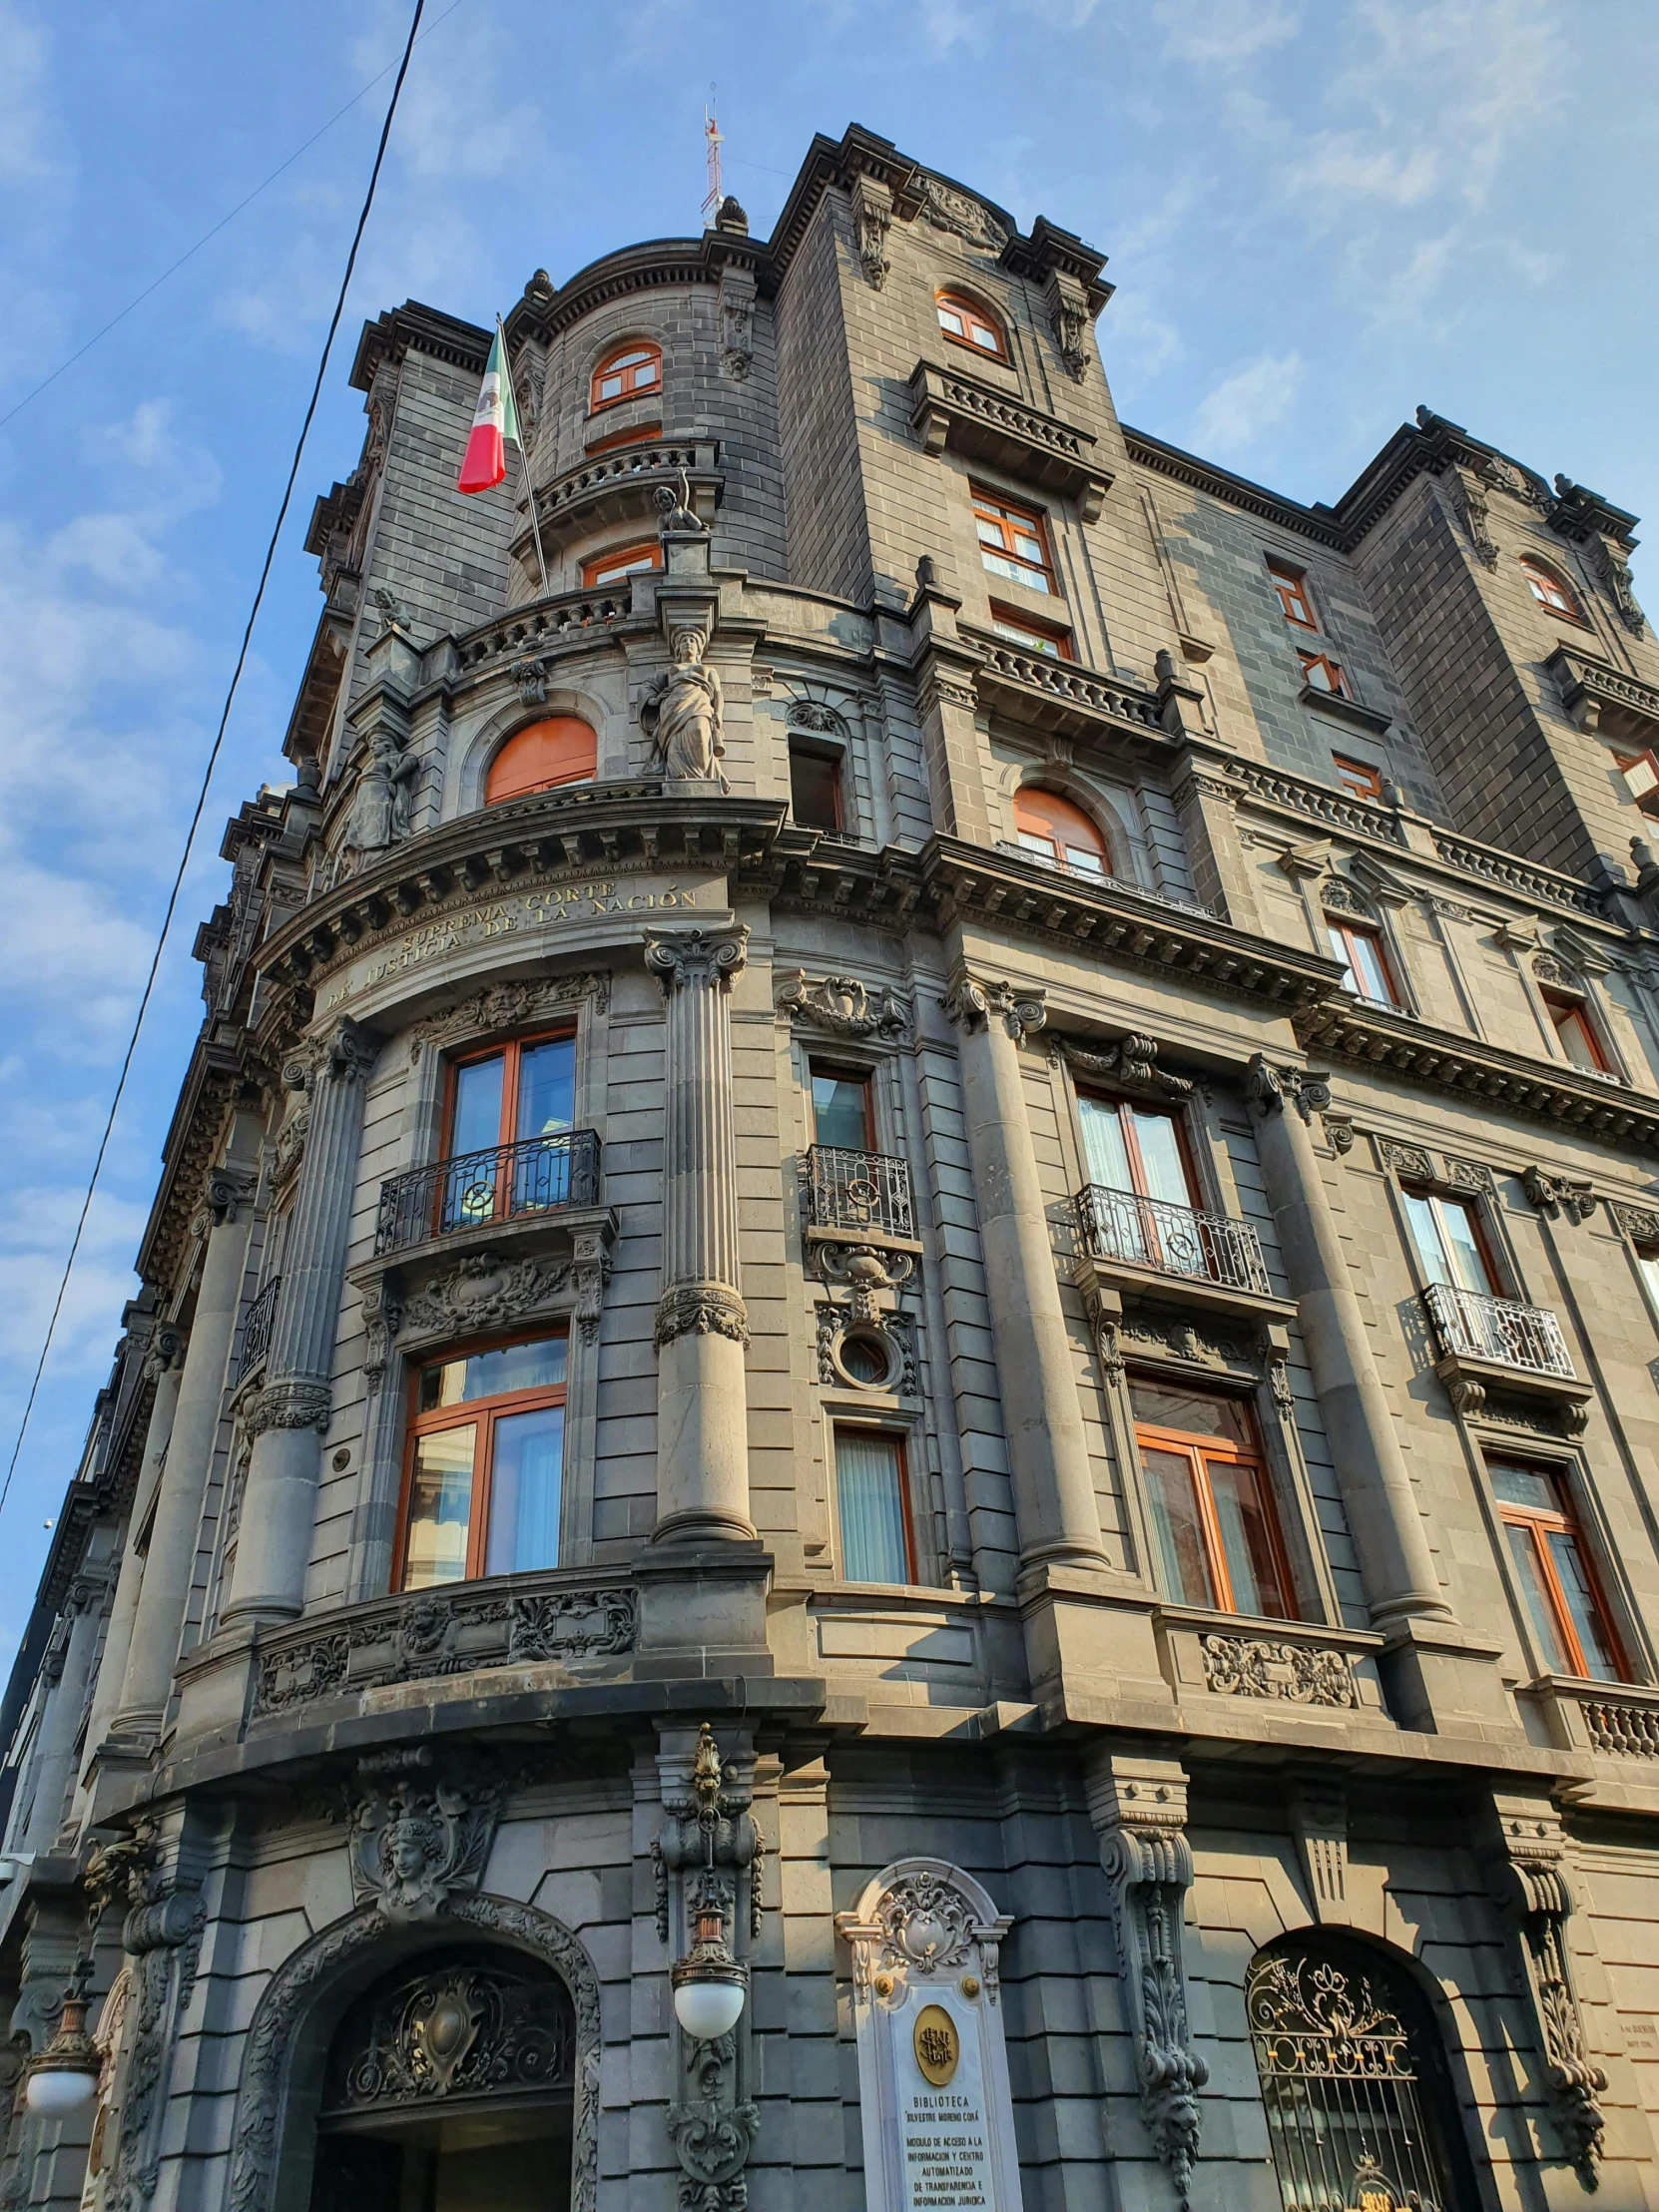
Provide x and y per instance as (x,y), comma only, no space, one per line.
(518,423)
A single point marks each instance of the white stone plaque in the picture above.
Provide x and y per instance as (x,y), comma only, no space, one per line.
(932,2070)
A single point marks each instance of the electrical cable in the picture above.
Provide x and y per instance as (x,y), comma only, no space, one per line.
(137,302)
(218,740)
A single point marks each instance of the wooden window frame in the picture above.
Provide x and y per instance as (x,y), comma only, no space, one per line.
(1197,1451)
(992,506)
(843,1071)
(1564,604)
(485,1414)
(1358,778)
(832,756)
(590,579)
(1291,585)
(899,1440)
(1567,1008)
(631,390)
(1339,686)
(511,1052)
(1640,772)
(972,314)
(1497,1278)
(1126,1109)
(1058,848)
(1056,633)
(1563,1522)
(552,784)
(642,433)
(1346,927)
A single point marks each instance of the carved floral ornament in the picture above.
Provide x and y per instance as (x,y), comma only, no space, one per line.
(843,1006)
(1130,1062)
(484,1291)
(974,1003)
(501,1007)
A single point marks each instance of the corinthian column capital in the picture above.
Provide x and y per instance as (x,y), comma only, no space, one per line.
(681,959)
(972,1002)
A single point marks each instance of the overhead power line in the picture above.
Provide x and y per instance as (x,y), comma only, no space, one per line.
(189,254)
(219,735)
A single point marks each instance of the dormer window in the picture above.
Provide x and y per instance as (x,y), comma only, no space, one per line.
(968,325)
(626,374)
(1550,589)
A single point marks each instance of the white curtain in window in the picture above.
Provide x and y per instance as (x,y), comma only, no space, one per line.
(870,1487)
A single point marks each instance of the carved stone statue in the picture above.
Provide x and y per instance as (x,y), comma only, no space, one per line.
(420,1837)
(682,714)
(679,520)
(384,800)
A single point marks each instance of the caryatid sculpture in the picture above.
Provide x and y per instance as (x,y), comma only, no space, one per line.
(682,714)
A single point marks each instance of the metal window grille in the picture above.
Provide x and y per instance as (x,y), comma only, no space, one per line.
(473,1189)
(1176,1240)
(859,1190)
(1470,1323)
(1344,2089)
(256,1330)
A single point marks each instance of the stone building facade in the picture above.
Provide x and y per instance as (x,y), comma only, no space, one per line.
(914,1241)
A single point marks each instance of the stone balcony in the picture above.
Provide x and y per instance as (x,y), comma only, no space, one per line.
(1488,1344)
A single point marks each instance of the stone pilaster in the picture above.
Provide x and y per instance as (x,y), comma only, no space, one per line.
(289,1419)
(54,1758)
(1054,1502)
(702,1326)
(170,1555)
(1139,1810)
(1431,1662)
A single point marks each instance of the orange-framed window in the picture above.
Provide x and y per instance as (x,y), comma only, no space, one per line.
(1641,776)
(622,561)
(1213,1513)
(1058,833)
(873,1506)
(1036,637)
(1576,1032)
(1291,586)
(561,749)
(970,325)
(642,433)
(1564,1604)
(1358,778)
(1368,975)
(509,1096)
(843,1110)
(1320,672)
(1013,542)
(484,1472)
(1550,589)
(626,372)
(1450,1243)
(815,787)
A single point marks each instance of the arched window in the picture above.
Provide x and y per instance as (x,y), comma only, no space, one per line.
(1354,2080)
(626,372)
(561,749)
(621,561)
(1060,835)
(970,325)
(1550,589)
(450,2080)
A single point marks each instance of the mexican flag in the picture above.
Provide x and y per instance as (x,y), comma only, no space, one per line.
(496,420)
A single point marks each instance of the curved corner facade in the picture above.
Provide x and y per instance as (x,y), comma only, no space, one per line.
(910,1264)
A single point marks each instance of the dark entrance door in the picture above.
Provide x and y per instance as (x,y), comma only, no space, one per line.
(448,2089)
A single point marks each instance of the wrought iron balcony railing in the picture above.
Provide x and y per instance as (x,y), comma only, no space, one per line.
(505,1183)
(1472,1326)
(1175,1240)
(859,1190)
(256,1330)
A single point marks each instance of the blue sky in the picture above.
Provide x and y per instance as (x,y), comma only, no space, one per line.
(1318,213)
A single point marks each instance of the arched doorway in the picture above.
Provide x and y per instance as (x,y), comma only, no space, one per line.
(449,2087)
(1360,2107)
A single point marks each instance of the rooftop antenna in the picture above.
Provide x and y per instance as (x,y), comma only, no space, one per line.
(713,143)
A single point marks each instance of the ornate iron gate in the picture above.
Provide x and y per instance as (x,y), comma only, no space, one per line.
(1350,2088)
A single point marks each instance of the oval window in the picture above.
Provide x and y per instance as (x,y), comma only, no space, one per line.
(561,749)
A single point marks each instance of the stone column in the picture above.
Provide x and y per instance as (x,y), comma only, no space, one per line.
(170,1557)
(702,1326)
(1048,1459)
(1388,1534)
(55,1757)
(288,1420)
(167,1355)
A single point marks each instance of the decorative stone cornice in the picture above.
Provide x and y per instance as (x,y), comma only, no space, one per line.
(951,409)
(1442,1060)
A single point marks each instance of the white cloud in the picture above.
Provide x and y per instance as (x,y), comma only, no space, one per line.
(1223,33)
(1243,405)
(27,146)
